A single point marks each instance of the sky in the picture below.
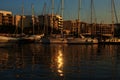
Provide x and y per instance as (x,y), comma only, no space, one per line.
(102,8)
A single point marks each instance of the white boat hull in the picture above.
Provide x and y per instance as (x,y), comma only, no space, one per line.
(53,40)
(31,38)
(5,39)
(82,41)
(69,41)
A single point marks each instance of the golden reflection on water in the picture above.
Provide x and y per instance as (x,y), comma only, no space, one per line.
(60,62)
(57,60)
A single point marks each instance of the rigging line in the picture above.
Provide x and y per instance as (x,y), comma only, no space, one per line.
(44,9)
(115,12)
(112,14)
(94,13)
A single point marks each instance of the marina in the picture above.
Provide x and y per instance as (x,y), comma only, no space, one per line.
(41,28)
(59,40)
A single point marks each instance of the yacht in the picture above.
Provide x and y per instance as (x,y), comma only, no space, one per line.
(81,40)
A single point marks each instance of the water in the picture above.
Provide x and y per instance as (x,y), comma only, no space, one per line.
(59,62)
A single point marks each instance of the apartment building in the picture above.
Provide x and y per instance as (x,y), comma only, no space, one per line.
(49,21)
(1,18)
(6,18)
(27,20)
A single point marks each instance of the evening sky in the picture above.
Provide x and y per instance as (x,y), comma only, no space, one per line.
(101,11)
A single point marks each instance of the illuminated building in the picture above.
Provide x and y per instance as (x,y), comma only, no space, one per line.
(6,18)
(48,20)
(27,20)
(17,20)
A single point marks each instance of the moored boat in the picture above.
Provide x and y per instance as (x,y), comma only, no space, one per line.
(5,39)
(51,40)
(82,41)
(31,38)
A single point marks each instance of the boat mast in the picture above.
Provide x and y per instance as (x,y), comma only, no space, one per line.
(62,9)
(91,11)
(115,11)
(22,18)
(52,17)
(79,1)
(45,27)
(91,19)
(112,14)
(33,18)
(79,7)
(93,15)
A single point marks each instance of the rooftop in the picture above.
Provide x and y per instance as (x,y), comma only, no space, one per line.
(5,12)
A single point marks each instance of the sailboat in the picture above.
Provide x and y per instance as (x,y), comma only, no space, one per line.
(33,37)
(80,39)
(8,39)
(112,39)
(57,38)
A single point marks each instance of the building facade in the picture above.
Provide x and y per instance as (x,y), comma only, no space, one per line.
(17,20)
(76,26)
(49,21)
(86,29)
(6,18)
(70,25)
(27,21)
(1,18)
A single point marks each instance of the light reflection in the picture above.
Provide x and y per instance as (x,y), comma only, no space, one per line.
(60,62)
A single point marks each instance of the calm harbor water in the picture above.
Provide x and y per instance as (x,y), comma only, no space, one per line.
(59,62)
